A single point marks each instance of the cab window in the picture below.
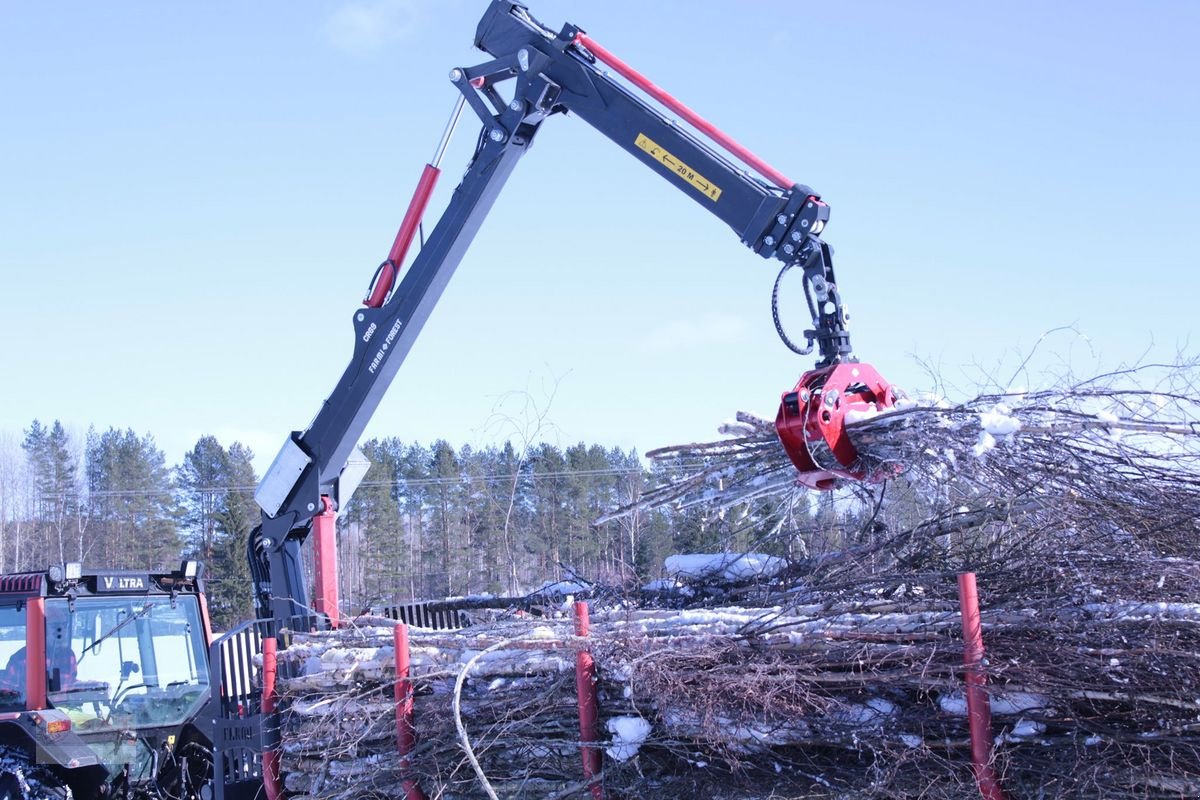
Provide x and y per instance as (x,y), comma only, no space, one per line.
(12,658)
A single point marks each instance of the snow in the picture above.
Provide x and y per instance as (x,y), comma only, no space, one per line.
(728,566)
(628,733)
(986,442)
(1131,609)
(954,704)
(1018,702)
(911,740)
(871,714)
(997,425)
(732,427)
(1026,728)
(669,586)
(562,588)
(999,421)
(859,414)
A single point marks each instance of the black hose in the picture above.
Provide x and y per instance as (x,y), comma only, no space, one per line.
(775,314)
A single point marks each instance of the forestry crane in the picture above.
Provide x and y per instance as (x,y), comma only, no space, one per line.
(554,73)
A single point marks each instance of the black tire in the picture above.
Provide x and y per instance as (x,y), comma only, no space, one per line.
(43,786)
(9,788)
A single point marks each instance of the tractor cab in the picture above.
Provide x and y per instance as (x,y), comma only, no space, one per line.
(103,678)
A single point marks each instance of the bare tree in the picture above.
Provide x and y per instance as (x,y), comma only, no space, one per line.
(523,417)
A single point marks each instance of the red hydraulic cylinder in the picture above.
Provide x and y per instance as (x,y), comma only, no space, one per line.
(585,691)
(325,563)
(406,732)
(979,710)
(404,237)
(270,758)
(698,122)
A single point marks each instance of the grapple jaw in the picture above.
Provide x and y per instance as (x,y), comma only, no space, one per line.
(812,422)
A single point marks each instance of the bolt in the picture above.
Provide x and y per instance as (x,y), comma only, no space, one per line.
(268,542)
(361,316)
(515,105)
(496,135)
(804,396)
(810,205)
(831,398)
(787,248)
(456,75)
(803,223)
(797,236)
(781,219)
(523,59)
(769,241)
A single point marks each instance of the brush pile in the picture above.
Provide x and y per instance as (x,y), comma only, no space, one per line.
(829,662)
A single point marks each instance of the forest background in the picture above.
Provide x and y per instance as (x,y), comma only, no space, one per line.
(429,520)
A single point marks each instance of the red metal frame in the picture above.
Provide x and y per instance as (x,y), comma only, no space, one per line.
(585,692)
(404,237)
(35,653)
(202,597)
(272,782)
(979,709)
(700,123)
(406,732)
(325,562)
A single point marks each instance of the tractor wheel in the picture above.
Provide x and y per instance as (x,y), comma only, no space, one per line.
(9,788)
(42,786)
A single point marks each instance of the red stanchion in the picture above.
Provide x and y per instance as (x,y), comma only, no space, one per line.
(406,732)
(270,758)
(325,563)
(589,704)
(979,710)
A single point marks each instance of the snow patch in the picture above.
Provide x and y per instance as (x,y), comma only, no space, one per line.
(628,733)
(954,704)
(733,427)
(985,442)
(729,566)
(999,421)
(1018,702)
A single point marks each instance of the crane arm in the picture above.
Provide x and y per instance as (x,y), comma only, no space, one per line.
(544,73)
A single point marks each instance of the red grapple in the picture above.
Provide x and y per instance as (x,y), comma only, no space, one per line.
(812,421)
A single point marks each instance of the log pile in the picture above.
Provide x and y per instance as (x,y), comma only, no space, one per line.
(834,667)
(835,698)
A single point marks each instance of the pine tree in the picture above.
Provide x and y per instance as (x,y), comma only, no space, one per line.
(202,480)
(444,470)
(131,501)
(55,469)
(230,591)
(375,513)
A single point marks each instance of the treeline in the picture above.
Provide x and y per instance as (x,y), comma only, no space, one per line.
(111,500)
(428,521)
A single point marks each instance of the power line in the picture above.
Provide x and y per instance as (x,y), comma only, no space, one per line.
(406,482)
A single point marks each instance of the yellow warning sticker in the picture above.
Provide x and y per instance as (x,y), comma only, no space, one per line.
(698,181)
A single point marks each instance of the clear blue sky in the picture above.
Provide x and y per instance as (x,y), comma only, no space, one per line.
(194,197)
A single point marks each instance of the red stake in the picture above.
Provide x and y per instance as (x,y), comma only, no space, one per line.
(406,732)
(270,758)
(979,709)
(585,691)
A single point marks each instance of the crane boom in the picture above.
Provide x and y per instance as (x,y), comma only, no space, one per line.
(552,73)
